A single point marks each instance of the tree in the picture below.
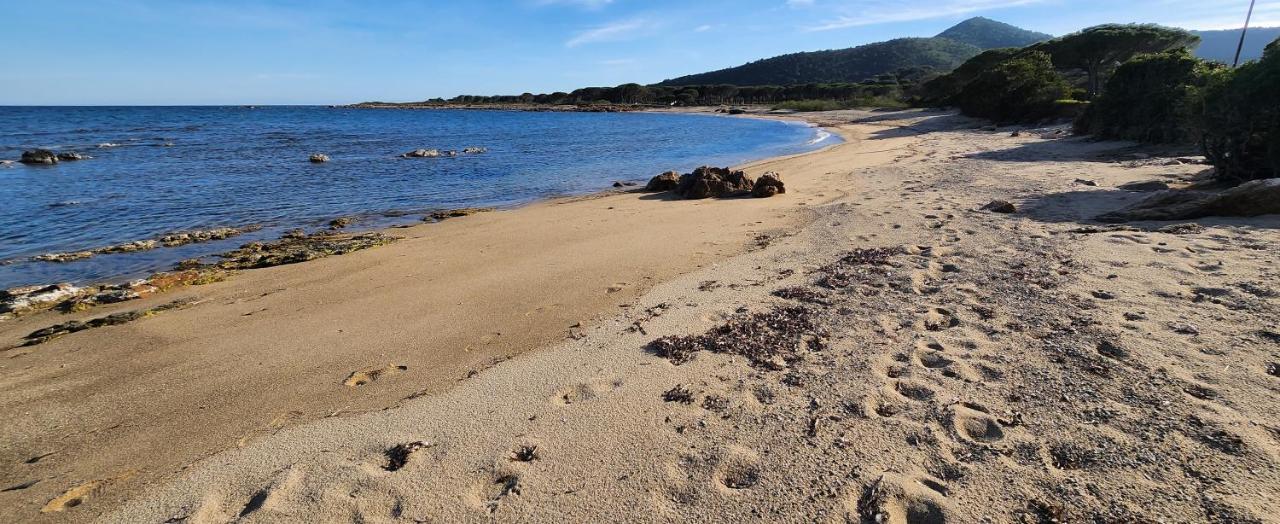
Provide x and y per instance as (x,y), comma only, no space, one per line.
(1149,99)
(1098,50)
(1239,119)
(1024,88)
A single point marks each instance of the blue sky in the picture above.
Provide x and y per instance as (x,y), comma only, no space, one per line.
(340,51)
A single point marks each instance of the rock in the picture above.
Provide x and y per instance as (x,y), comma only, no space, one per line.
(1016,134)
(1148,186)
(182,238)
(30,298)
(129,247)
(422,153)
(625,184)
(1084,182)
(767,185)
(1000,206)
(665,182)
(341,222)
(455,213)
(319,158)
(474,150)
(63,257)
(39,157)
(737,111)
(1259,197)
(293,248)
(72,156)
(6,163)
(707,182)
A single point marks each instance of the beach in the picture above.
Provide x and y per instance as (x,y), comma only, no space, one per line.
(913,358)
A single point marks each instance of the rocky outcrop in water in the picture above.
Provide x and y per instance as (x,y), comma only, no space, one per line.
(72,156)
(474,151)
(455,213)
(422,153)
(319,158)
(39,157)
(180,238)
(294,248)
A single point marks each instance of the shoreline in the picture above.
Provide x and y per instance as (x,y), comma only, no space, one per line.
(386,221)
(494,320)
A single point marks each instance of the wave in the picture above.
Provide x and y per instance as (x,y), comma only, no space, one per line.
(820,137)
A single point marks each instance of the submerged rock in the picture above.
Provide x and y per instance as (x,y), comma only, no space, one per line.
(665,182)
(1000,206)
(293,248)
(72,156)
(422,153)
(1260,197)
(767,185)
(63,257)
(341,222)
(707,182)
(319,158)
(39,157)
(455,213)
(474,150)
(33,298)
(180,238)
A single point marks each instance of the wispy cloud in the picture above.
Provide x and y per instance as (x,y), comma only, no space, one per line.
(799,3)
(871,12)
(612,32)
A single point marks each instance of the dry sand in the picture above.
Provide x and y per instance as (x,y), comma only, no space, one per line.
(980,367)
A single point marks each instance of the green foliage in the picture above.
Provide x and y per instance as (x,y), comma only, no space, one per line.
(1024,88)
(840,66)
(1097,50)
(1149,99)
(835,105)
(1239,121)
(943,89)
(985,33)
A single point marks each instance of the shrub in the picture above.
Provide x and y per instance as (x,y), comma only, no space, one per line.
(1021,89)
(1238,120)
(1149,99)
(834,105)
(1097,49)
(943,90)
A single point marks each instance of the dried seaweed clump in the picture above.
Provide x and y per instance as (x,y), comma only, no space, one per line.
(859,265)
(762,338)
(803,294)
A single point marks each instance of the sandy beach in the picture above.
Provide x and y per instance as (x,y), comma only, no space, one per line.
(877,348)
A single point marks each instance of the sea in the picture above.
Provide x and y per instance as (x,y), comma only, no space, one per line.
(157,170)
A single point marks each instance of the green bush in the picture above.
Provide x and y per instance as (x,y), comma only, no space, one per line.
(942,90)
(835,105)
(1024,88)
(1149,99)
(1238,119)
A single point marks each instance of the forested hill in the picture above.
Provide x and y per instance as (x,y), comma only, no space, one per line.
(842,65)
(1221,45)
(986,33)
(855,64)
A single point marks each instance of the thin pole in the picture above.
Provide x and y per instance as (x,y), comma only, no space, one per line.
(1240,47)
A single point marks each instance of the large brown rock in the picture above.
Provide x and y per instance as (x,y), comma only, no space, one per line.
(767,185)
(707,182)
(664,182)
(1260,197)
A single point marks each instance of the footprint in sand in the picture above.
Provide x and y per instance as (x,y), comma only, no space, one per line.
(364,377)
(584,391)
(897,499)
(78,495)
(913,390)
(938,319)
(975,426)
(489,494)
(739,469)
(272,497)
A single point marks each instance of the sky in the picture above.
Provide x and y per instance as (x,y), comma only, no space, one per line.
(174,52)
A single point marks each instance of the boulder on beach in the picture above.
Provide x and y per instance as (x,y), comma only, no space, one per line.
(422,153)
(1000,206)
(707,182)
(665,182)
(1150,185)
(1260,197)
(767,185)
(39,157)
(319,158)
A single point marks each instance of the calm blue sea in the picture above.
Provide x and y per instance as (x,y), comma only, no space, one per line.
(161,169)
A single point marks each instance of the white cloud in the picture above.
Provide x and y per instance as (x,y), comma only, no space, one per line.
(609,33)
(799,3)
(871,12)
(703,28)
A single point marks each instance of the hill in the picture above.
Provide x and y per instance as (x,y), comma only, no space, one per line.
(986,33)
(1221,45)
(842,65)
(943,53)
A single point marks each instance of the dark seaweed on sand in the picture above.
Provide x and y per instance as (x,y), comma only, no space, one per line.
(760,337)
(859,265)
